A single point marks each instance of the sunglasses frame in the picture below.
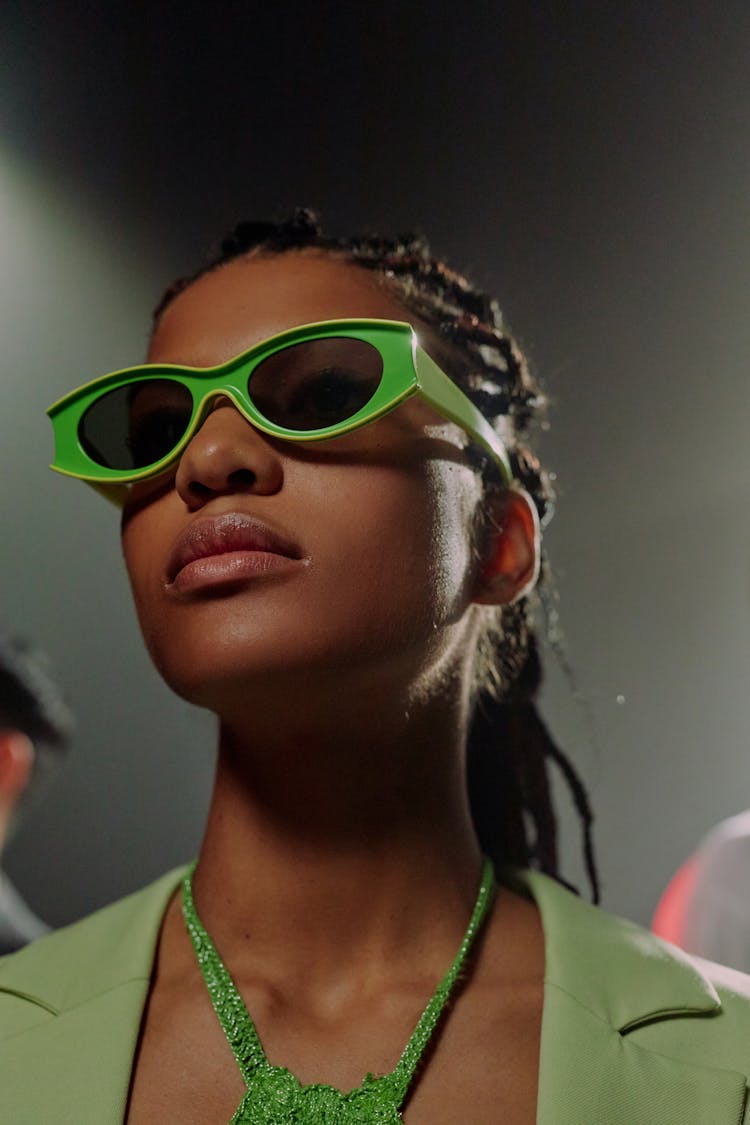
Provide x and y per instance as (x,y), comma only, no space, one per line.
(407,370)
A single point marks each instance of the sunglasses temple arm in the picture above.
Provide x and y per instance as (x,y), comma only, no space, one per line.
(453,404)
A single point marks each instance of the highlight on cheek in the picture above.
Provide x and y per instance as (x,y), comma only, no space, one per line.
(455,493)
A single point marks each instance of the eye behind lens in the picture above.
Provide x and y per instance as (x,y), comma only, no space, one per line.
(137,424)
(316,384)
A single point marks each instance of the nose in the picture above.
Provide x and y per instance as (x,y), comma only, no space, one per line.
(227,454)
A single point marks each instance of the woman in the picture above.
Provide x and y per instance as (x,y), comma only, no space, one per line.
(348,606)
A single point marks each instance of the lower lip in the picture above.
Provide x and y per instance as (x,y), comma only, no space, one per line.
(232,568)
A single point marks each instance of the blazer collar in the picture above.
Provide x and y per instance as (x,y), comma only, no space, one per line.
(80,1008)
(605,978)
(613,967)
(119,947)
(617,969)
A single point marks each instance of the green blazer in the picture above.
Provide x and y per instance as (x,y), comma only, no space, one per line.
(634,1032)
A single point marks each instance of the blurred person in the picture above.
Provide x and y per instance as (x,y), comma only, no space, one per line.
(331,524)
(669,917)
(706,907)
(34,728)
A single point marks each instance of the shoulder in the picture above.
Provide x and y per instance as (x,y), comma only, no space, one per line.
(650,992)
(71,965)
(70,1011)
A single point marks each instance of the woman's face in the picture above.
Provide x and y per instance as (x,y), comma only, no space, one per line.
(333,561)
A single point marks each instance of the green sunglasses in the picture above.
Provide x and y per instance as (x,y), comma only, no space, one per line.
(307,384)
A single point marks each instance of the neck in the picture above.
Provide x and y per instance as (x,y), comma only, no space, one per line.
(351,835)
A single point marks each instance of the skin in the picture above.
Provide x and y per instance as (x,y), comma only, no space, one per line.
(339,865)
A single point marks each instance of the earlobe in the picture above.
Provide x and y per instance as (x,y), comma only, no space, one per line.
(512,550)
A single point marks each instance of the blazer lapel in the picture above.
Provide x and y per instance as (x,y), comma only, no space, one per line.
(606,978)
(609,985)
(88,1049)
(589,1072)
(78,1029)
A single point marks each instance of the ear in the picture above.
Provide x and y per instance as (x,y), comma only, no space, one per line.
(512,551)
(16,761)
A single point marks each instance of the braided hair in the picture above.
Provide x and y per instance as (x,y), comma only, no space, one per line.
(509,746)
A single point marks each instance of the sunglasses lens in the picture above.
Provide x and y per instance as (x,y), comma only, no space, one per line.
(136,425)
(316,384)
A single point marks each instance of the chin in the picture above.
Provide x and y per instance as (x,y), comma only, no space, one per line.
(234,669)
(233,655)
(210,677)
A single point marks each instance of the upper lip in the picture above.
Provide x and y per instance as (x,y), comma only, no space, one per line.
(231,531)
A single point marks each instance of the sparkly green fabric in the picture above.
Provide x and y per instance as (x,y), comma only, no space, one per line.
(274,1096)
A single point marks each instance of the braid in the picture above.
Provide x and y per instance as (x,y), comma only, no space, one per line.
(509,745)
(516,720)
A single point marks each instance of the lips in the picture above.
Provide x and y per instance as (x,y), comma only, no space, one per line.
(232,533)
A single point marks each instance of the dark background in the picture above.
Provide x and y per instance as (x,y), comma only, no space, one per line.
(590,164)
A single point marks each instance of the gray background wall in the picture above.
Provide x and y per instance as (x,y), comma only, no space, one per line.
(589,163)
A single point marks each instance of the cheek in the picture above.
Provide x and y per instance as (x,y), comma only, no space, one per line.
(456,494)
(406,558)
(135,539)
(389,581)
(144,545)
